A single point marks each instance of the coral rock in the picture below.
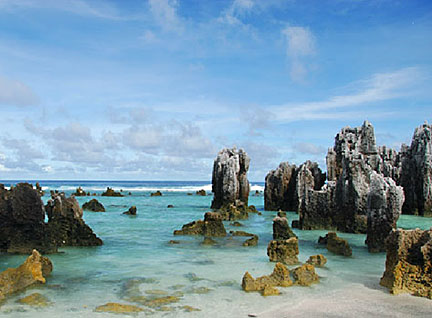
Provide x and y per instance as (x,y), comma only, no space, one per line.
(211,226)
(305,275)
(336,244)
(317,260)
(284,251)
(132,211)
(118,308)
(93,205)
(111,193)
(281,229)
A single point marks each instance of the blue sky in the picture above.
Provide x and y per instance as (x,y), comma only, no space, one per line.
(151,90)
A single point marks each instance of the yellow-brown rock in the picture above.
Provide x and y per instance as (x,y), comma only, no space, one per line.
(279,277)
(305,275)
(409,262)
(160,301)
(336,244)
(35,300)
(317,260)
(189,308)
(284,251)
(32,271)
(270,291)
(118,308)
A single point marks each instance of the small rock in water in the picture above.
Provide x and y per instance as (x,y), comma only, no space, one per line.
(35,300)
(118,308)
(193,277)
(132,211)
(174,242)
(156,194)
(189,308)
(156,292)
(170,206)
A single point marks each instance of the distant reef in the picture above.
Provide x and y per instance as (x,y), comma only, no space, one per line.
(23,226)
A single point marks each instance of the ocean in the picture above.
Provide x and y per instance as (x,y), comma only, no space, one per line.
(138,260)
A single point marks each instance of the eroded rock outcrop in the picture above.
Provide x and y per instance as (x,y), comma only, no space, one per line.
(305,275)
(384,203)
(281,228)
(211,226)
(336,244)
(111,193)
(132,211)
(33,271)
(93,205)
(65,222)
(317,260)
(280,188)
(409,262)
(229,178)
(284,251)
(22,226)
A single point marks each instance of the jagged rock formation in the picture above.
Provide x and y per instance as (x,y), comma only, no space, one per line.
(22,226)
(336,244)
(279,277)
(409,262)
(34,270)
(416,172)
(281,228)
(384,204)
(284,251)
(66,224)
(79,192)
(93,205)
(211,226)
(201,192)
(317,260)
(156,194)
(111,193)
(305,275)
(229,178)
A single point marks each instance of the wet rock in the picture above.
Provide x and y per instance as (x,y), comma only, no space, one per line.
(198,290)
(236,224)
(335,244)
(253,241)
(156,194)
(257,193)
(158,292)
(233,212)
(22,220)
(34,270)
(284,251)
(111,193)
(189,308)
(208,241)
(241,233)
(170,206)
(409,262)
(132,211)
(160,301)
(93,205)
(35,300)
(174,242)
(317,260)
(280,188)
(201,192)
(211,226)
(305,275)
(79,192)
(118,308)
(295,224)
(281,229)
(385,201)
(270,291)
(229,178)
(39,189)
(279,277)
(66,224)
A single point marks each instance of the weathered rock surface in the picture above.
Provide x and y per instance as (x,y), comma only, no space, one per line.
(211,226)
(305,275)
(156,194)
(280,188)
(34,270)
(409,262)
(65,222)
(201,192)
(279,277)
(132,211)
(118,308)
(335,244)
(416,172)
(93,205)
(253,241)
(231,212)
(384,203)
(281,229)
(317,260)
(111,193)
(79,192)
(284,251)
(22,221)
(229,178)
(35,300)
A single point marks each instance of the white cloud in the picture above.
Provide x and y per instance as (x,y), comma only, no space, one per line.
(379,87)
(300,45)
(309,148)
(165,14)
(16,93)
(233,13)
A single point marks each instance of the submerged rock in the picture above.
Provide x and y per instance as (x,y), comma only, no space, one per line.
(305,275)
(335,244)
(211,226)
(317,260)
(385,201)
(111,193)
(35,300)
(253,241)
(34,270)
(208,241)
(93,205)
(279,277)
(132,211)
(229,178)
(170,206)
(118,308)
(409,262)
(284,251)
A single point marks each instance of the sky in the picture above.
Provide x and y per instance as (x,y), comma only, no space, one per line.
(153,89)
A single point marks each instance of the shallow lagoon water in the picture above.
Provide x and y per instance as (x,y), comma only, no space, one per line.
(136,259)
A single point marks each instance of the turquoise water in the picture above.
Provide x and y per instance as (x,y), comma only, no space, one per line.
(136,253)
